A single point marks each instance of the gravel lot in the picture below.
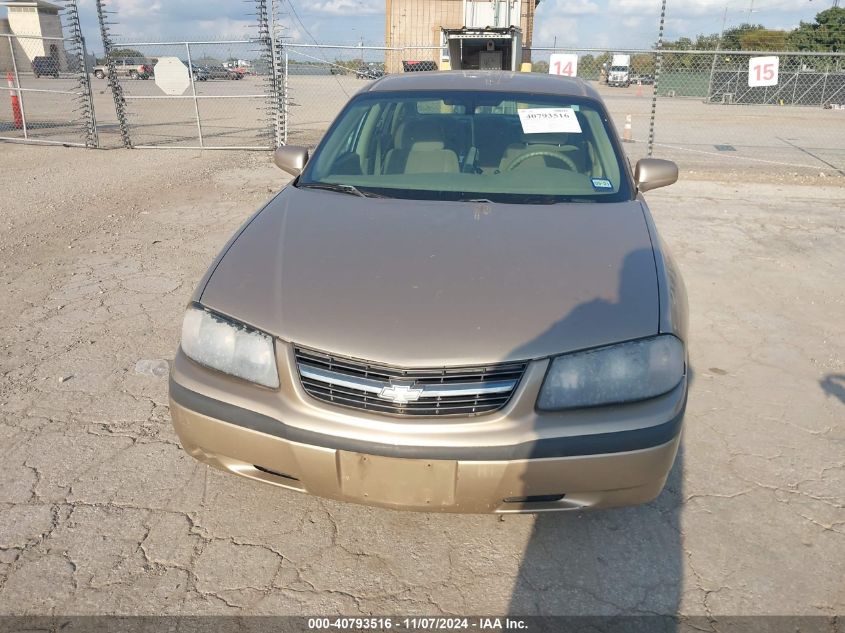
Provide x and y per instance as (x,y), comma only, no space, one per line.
(101,512)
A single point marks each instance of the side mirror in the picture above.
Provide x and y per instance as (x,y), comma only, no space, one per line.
(652,173)
(291,158)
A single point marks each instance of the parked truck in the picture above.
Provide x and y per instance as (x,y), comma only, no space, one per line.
(620,71)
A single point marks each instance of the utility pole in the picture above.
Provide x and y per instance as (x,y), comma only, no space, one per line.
(716,54)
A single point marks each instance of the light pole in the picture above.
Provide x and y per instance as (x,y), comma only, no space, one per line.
(716,54)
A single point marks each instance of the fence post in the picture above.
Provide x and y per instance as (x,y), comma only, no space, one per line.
(194,92)
(267,40)
(279,98)
(658,63)
(81,53)
(93,139)
(17,87)
(114,81)
(280,58)
(824,84)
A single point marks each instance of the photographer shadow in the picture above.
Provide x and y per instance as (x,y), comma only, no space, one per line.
(617,562)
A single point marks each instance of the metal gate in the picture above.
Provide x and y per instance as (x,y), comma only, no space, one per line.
(226,96)
(46,86)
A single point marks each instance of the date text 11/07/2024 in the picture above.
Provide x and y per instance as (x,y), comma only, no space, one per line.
(417,624)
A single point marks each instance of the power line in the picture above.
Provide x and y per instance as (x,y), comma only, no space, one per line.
(301,24)
(314,40)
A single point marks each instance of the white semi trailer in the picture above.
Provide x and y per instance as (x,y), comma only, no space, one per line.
(620,71)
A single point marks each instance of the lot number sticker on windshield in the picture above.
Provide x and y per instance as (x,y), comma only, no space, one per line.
(549,120)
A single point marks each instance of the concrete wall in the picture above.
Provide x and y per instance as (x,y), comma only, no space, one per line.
(5,51)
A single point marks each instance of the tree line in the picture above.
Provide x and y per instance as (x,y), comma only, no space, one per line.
(826,34)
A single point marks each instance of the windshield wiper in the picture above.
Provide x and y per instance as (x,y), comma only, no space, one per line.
(339,188)
(531,199)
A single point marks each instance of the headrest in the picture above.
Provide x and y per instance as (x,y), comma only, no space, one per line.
(426,146)
(546,139)
(418,131)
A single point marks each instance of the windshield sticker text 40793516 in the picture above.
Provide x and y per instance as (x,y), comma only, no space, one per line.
(549,120)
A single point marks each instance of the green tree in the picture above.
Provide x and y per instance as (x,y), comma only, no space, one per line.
(764,40)
(826,34)
(589,66)
(643,64)
(732,38)
(540,67)
(707,42)
(119,53)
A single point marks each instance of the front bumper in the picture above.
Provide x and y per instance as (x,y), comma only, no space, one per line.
(514,460)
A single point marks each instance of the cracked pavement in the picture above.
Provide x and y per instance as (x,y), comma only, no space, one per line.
(102,513)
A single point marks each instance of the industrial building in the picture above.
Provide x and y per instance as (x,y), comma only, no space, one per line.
(37,19)
(416,26)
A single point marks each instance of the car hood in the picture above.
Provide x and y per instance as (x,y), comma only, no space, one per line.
(419,283)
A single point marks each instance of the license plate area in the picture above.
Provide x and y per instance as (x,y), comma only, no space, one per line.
(401,482)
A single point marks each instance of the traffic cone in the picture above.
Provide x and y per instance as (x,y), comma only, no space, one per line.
(639,87)
(626,134)
(17,115)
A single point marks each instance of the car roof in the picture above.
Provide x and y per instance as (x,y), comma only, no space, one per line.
(485,80)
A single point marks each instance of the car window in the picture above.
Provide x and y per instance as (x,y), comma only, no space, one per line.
(461,145)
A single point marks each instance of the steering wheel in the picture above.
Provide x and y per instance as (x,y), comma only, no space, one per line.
(516,162)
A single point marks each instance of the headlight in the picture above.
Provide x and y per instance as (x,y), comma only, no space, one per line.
(618,373)
(230,347)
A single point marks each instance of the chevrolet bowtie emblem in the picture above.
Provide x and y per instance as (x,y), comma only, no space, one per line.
(400,393)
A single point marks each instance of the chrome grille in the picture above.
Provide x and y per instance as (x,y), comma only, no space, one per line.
(379,388)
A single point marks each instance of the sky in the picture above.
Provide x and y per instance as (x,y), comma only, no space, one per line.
(570,23)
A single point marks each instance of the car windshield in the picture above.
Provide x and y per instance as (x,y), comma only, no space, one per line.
(472,145)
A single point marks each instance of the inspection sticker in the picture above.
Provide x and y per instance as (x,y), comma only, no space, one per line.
(549,120)
(602,183)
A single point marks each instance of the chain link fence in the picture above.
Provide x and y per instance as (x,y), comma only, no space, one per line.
(221,105)
(209,94)
(703,108)
(46,86)
(707,114)
(710,112)
(320,79)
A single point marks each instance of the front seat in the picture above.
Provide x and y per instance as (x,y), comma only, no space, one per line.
(420,149)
